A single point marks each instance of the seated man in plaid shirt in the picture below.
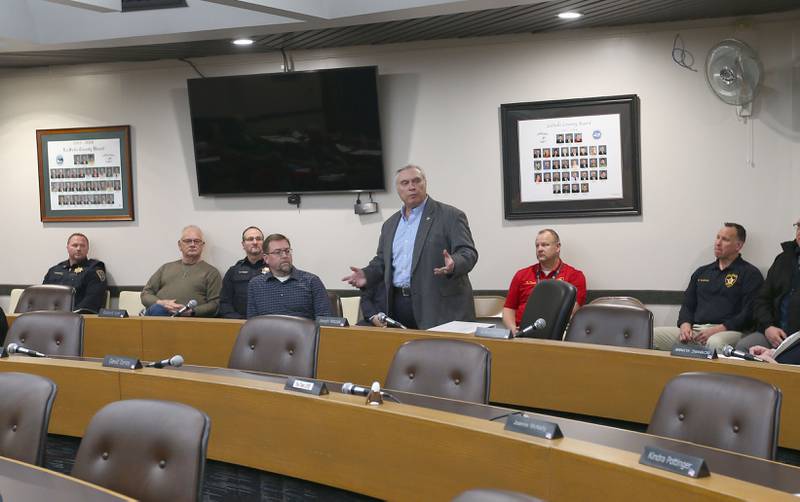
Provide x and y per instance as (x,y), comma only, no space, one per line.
(286,290)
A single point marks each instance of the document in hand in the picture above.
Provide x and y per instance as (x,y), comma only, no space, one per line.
(788,350)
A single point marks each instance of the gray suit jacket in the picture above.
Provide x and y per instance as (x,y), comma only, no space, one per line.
(436,299)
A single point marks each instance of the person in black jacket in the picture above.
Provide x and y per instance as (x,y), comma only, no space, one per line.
(777,305)
(86,275)
(233,297)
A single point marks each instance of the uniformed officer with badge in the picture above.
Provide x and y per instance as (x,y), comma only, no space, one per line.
(233,298)
(87,276)
(718,304)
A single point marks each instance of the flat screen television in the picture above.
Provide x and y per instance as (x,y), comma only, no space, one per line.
(296,132)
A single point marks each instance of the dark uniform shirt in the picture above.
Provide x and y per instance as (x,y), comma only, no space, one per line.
(717,296)
(233,298)
(87,277)
(301,295)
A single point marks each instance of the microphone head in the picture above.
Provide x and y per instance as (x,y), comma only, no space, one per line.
(11,348)
(540,323)
(347,388)
(382,317)
(376,387)
(176,360)
(727,350)
(192,303)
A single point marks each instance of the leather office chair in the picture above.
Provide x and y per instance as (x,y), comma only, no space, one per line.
(46,297)
(25,405)
(13,299)
(52,333)
(131,302)
(551,300)
(453,369)
(486,495)
(336,304)
(488,305)
(618,300)
(351,309)
(730,412)
(612,324)
(146,449)
(277,344)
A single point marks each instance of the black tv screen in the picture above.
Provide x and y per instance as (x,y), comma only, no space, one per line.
(297,132)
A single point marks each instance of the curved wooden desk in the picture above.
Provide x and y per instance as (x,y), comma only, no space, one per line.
(402,451)
(22,482)
(596,380)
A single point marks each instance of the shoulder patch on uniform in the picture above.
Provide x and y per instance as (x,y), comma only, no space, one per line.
(101,274)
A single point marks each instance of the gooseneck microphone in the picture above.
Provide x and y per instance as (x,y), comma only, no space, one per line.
(356,390)
(189,305)
(537,325)
(175,361)
(15,348)
(729,351)
(389,321)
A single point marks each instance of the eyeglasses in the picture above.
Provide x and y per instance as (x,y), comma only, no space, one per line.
(188,242)
(253,239)
(281,252)
(796,225)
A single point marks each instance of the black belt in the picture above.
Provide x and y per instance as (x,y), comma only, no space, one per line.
(403,290)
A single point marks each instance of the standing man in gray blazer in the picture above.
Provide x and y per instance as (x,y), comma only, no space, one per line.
(424,254)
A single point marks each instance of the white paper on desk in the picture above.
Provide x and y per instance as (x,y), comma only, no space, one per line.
(461,327)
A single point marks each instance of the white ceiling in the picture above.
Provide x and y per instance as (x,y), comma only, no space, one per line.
(64,32)
(28,25)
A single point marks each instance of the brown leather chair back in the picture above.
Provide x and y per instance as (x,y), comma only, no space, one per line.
(277,344)
(610,324)
(486,495)
(25,405)
(146,449)
(551,300)
(453,369)
(730,412)
(336,304)
(46,297)
(53,333)
(619,300)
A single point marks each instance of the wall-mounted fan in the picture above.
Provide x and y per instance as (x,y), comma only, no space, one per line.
(733,72)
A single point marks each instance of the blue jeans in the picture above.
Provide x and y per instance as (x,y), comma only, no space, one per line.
(157,310)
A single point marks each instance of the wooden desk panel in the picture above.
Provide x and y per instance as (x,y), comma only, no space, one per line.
(339,441)
(20,481)
(596,380)
(394,452)
(105,335)
(203,342)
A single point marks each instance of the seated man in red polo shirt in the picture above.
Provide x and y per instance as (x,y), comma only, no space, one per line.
(550,266)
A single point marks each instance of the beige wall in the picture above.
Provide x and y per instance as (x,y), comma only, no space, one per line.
(440,109)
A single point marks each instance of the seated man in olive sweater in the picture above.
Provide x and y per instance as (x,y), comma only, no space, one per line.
(174,284)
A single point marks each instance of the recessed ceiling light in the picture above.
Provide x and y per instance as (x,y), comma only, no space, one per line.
(569,15)
(243,41)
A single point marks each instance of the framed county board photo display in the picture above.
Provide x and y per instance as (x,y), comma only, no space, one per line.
(571,158)
(85,174)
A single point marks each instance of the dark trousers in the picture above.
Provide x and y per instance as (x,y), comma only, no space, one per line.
(402,309)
